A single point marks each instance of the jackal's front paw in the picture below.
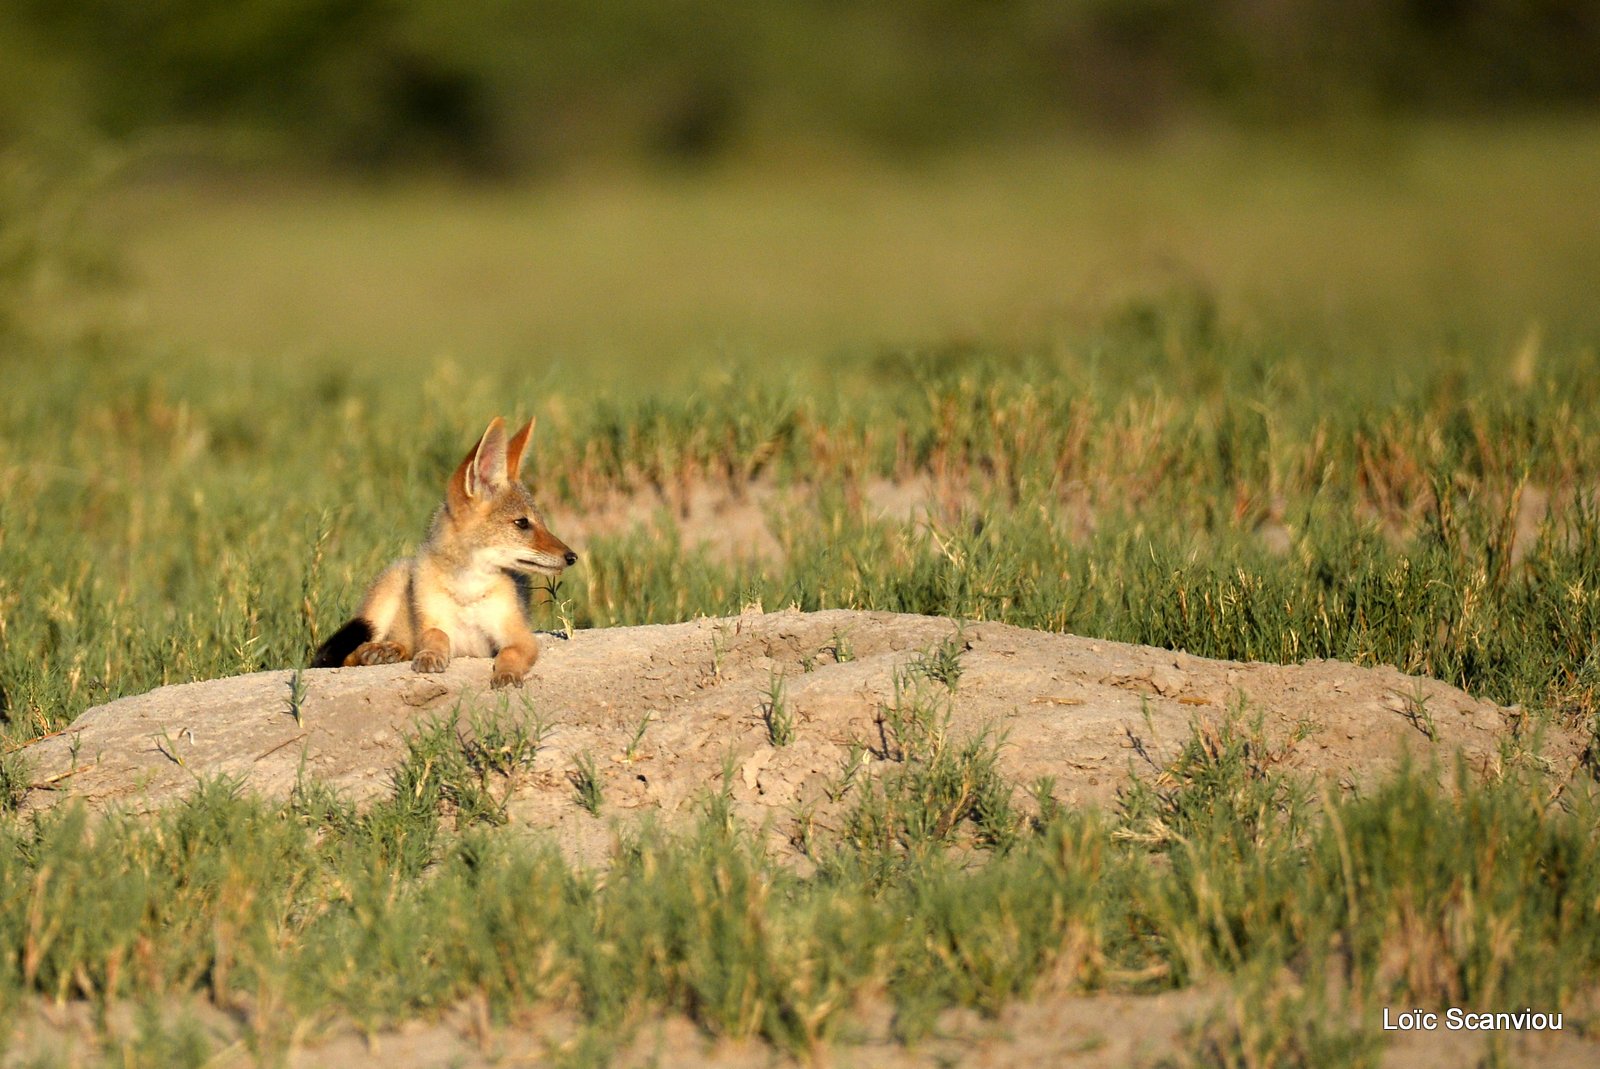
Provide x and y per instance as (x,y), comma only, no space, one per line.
(378,653)
(430,661)
(504,678)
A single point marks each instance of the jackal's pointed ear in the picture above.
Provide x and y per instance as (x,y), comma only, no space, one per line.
(483,471)
(514,450)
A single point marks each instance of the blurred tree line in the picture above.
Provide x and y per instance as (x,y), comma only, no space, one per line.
(511,85)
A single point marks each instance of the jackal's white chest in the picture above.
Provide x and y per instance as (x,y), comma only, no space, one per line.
(479,613)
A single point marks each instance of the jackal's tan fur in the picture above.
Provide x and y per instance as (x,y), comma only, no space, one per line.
(464,594)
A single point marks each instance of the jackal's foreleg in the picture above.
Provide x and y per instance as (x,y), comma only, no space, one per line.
(433,651)
(512,663)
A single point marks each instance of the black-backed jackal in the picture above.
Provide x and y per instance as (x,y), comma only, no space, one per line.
(465,592)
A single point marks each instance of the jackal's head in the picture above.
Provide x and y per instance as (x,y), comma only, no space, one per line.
(492,515)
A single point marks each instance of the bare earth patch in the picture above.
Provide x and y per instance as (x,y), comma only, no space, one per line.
(668,712)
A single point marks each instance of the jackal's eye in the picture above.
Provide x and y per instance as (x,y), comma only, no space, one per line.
(522,523)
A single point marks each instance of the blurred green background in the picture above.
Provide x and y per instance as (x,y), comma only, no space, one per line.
(698,182)
(509,86)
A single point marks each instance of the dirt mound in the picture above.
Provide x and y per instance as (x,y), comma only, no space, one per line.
(665,712)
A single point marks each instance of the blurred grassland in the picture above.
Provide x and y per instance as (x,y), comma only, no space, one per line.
(1344,245)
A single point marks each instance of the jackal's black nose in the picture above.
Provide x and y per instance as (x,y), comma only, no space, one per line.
(572,558)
